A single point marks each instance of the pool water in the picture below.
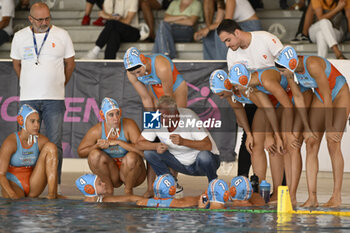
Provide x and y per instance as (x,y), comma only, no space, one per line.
(42,215)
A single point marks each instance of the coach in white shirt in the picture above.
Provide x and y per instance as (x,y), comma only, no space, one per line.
(189,150)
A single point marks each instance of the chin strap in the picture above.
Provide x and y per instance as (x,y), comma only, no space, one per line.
(113,132)
(295,78)
(32,138)
(248,91)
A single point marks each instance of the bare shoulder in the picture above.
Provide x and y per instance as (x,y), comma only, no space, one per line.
(129,123)
(162,64)
(95,131)
(315,64)
(10,142)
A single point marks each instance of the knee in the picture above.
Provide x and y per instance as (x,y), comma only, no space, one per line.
(332,146)
(132,160)
(95,157)
(51,150)
(325,23)
(149,154)
(204,158)
(312,144)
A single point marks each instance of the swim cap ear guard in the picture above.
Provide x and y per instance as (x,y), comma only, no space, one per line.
(164,186)
(288,58)
(218,81)
(239,74)
(23,113)
(133,57)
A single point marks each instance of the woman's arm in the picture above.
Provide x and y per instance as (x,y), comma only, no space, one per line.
(141,89)
(181,19)
(230,9)
(330,14)
(8,148)
(90,142)
(132,132)
(164,73)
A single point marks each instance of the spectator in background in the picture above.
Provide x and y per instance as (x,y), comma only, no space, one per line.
(147,6)
(177,26)
(7,12)
(327,31)
(88,8)
(121,26)
(239,10)
(302,35)
(23,5)
(43,59)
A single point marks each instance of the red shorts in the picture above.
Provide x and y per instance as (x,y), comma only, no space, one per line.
(20,176)
(118,161)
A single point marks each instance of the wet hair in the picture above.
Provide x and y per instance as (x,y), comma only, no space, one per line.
(228,25)
(134,68)
(279,66)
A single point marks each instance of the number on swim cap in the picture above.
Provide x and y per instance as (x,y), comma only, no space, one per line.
(289,53)
(134,52)
(82,181)
(220,77)
(237,182)
(238,71)
(222,186)
(167,183)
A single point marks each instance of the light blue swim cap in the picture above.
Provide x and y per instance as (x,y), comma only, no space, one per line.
(219,82)
(23,113)
(239,74)
(132,58)
(241,186)
(108,104)
(288,58)
(164,186)
(218,191)
(86,185)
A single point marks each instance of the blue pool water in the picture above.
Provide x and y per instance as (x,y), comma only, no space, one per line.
(41,215)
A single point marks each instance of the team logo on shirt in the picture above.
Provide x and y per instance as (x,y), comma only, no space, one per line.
(264,56)
(151,120)
(53,45)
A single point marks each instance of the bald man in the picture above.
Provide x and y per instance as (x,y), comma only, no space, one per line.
(43,59)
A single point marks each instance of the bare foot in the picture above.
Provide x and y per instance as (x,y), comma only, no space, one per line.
(310,203)
(294,201)
(333,202)
(148,194)
(61,197)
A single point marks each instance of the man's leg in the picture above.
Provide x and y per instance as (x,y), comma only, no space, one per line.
(53,114)
(207,164)
(162,162)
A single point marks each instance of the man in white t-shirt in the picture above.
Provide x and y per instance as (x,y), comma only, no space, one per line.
(255,50)
(43,59)
(7,12)
(186,149)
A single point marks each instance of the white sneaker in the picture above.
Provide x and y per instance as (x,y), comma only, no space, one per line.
(227,168)
(91,55)
(179,191)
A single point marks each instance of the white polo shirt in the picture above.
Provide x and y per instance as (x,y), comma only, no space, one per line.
(185,155)
(45,80)
(260,53)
